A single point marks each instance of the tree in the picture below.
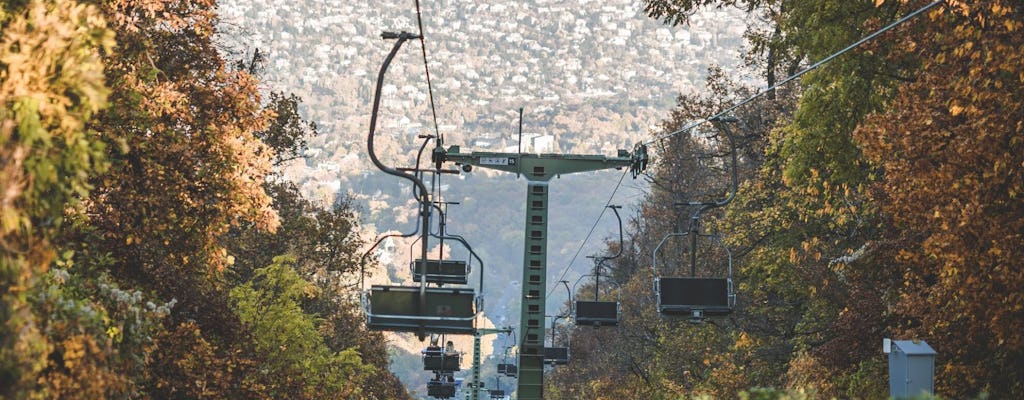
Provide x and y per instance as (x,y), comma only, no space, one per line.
(51,85)
(287,133)
(952,148)
(296,361)
(772,43)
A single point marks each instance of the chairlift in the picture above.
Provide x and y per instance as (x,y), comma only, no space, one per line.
(555,355)
(698,296)
(596,312)
(692,295)
(498,392)
(421,309)
(437,359)
(506,367)
(441,388)
(418,309)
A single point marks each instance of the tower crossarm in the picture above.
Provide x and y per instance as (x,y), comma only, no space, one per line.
(541,167)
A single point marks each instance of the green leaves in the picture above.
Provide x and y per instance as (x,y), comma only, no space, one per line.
(288,338)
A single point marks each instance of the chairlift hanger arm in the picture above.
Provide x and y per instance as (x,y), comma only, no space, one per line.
(401,39)
(615,209)
(723,123)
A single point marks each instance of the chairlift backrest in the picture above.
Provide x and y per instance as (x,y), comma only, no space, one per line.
(683,295)
(596,313)
(397,309)
(441,271)
(436,359)
(509,370)
(440,389)
(556,355)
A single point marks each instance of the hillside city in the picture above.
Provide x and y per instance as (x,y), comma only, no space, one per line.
(592,76)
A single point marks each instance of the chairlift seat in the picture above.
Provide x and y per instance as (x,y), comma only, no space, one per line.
(509,370)
(441,271)
(556,355)
(684,296)
(436,359)
(597,313)
(440,389)
(397,309)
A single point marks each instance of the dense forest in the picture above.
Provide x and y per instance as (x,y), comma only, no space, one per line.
(879,198)
(149,249)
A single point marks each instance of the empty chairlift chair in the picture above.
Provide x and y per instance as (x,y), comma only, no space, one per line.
(416,309)
(454,272)
(428,309)
(556,355)
(694,296)
(440,389)
(597,313)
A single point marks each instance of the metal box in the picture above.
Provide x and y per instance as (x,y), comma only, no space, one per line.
(911,369)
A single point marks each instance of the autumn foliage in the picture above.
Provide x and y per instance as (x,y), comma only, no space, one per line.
(132,170)
(884,202)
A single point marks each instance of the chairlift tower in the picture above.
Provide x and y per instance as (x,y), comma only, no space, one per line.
(474,384)
(538,169)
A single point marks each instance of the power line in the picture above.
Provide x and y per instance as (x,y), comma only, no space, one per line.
(592,229)
(729,110)
(426,67)
(799,74)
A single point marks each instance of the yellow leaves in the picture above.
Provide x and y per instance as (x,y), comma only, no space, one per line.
(114,332)
(1012,25)
(955,110)
(743,341)
(998,10)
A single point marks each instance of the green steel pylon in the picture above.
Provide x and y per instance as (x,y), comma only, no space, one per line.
(538,169)
(474,383)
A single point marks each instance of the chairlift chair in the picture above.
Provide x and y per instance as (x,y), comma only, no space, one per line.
(508,369)
(694,296)
(597,312)
(556,355)
(397,309)
(440,389)
(419,309)
(436,359)
(700,296)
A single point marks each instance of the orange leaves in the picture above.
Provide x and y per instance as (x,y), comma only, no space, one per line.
(954,190)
